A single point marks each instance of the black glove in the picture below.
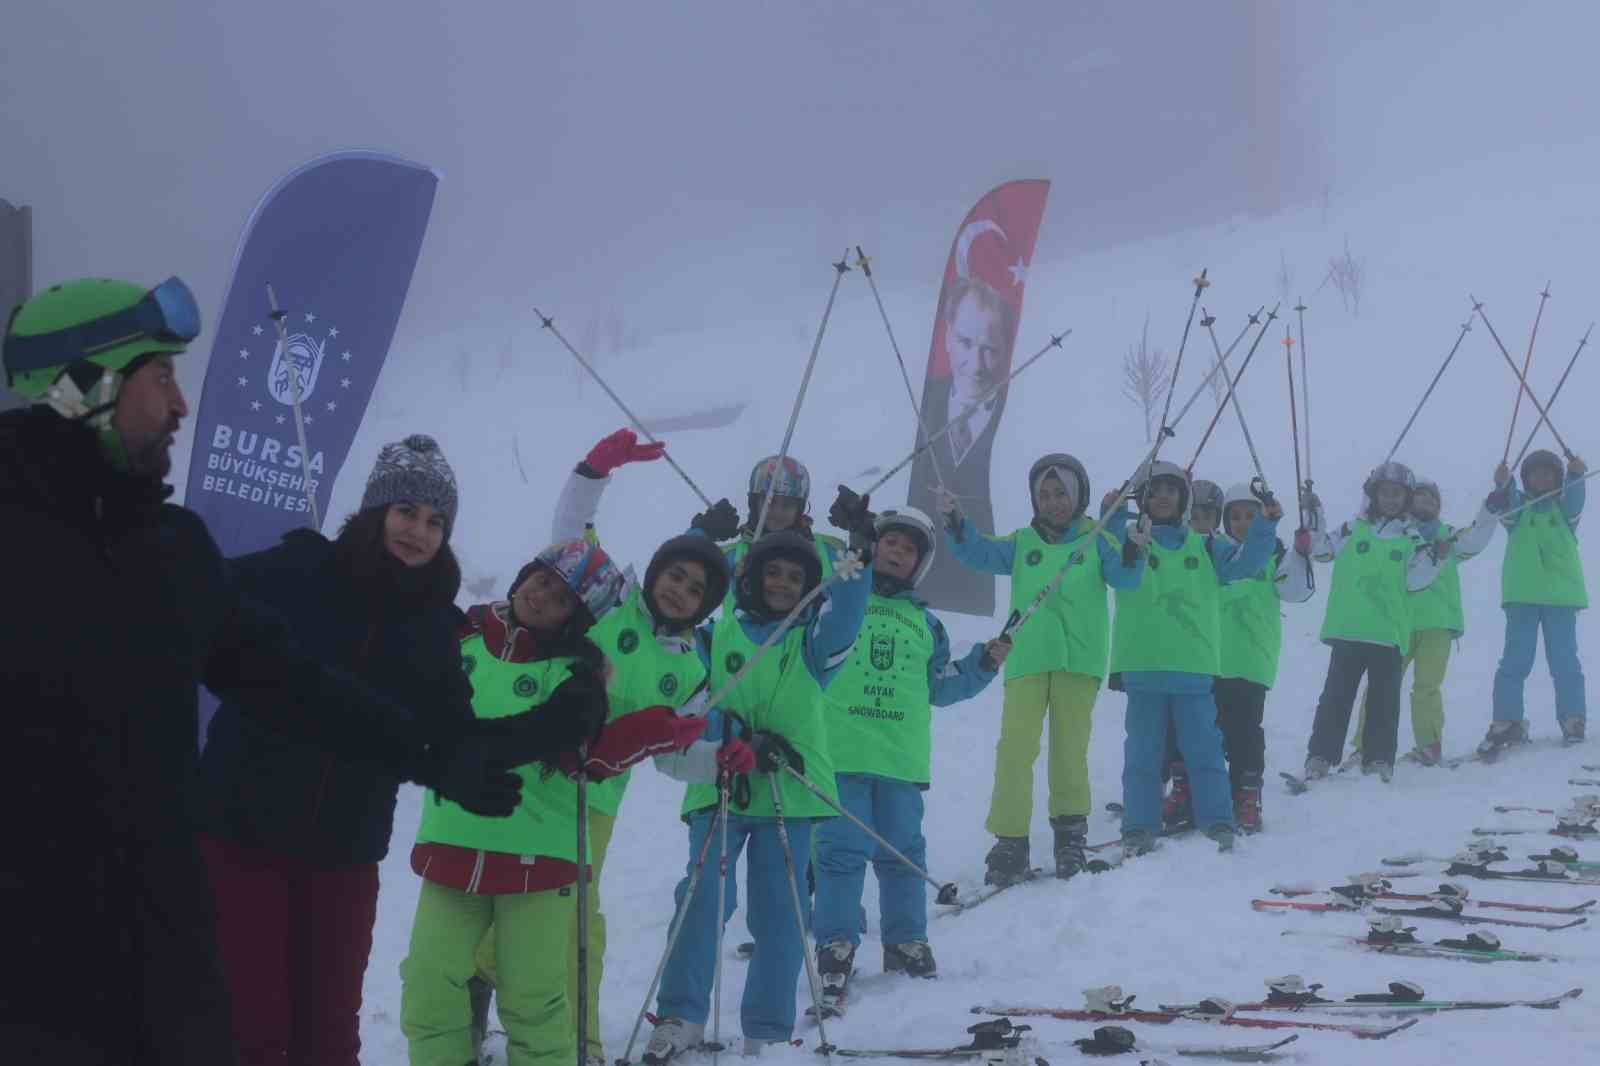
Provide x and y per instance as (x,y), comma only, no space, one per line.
(773,753)
(581,701)
(849,512)
(473,773)
(572,715)
(720,522)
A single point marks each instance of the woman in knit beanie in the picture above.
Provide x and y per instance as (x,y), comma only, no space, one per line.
(294,835)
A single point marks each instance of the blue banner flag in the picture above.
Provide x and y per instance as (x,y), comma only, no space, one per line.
(338,240)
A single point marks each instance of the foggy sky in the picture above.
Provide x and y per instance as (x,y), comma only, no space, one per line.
(676,159)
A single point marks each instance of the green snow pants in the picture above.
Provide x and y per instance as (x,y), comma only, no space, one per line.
(1067,701)
(1429,660)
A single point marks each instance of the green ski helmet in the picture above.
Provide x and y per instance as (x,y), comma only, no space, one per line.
(72,345)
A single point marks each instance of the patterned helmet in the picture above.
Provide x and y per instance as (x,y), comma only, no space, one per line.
(586,569)
(787,477)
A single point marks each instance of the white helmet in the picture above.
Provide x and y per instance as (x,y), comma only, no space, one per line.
(917,523)
(1237,493)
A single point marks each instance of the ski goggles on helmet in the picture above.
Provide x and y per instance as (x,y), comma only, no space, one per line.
(167,313)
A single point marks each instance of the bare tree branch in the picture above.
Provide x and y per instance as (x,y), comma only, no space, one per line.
(1144,377)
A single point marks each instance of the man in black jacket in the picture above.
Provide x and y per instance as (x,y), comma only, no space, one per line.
(117,608)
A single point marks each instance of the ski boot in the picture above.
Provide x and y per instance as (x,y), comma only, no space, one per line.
(1247,803)
(1353,760)
(1381,767)
(1221,835)
(914,958)
(1317,767)
(670,1038)
(1007,861)
(1571,731)
(1177,808)
(479,994)
(1425,755)
(1136,842)
(836,961)
(1502,735)
(1072,832)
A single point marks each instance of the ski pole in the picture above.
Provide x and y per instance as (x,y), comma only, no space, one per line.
(1564,374)
(1019,618)
(947,890)
(1305,387)
(673,932)
(799,919)
(1522,380)
(1054,342)
(550,324)
(916,409)
(1466,327)
(839,270)
(1243,366)
(277,315)
(1200,285)
(1527,361)
(1302,489)
(722,924)
(583,906)
(1523,506)
(1222,357)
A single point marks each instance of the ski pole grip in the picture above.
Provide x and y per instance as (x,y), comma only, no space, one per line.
(1012,621)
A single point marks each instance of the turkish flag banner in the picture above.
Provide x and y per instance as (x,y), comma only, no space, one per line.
(974,337)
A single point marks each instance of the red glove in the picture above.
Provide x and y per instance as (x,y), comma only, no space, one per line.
(622,447)
(686,729)
(736,757)
(1302,542)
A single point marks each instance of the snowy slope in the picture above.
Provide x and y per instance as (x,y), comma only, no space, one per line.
(1177,924)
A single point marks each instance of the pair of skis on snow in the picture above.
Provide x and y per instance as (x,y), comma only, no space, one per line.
(999,1042)
(1442,908)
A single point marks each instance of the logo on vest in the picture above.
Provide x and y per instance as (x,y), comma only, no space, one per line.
(733,663)
(882,651)
(627,641)
(1154,562)
(668,684)
(1191,563)
(469,663)
(1363,547)
(525,686)
(1033,557)
(1396,555)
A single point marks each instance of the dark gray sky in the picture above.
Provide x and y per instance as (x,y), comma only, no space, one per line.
(671,157)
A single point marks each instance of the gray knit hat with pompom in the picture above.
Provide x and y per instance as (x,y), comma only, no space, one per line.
(413,470)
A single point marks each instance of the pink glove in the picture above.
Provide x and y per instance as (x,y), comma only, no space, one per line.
(1302,543)
(620,448)
(736,757)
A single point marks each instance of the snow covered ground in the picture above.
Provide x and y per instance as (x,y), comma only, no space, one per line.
(1177,924)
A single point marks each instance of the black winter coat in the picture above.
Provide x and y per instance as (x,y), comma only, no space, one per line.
(117,606)
(262,789)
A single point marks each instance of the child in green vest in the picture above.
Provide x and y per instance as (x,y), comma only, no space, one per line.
(1252,635)
(516,874)
(789,484)
(648,642)
(772,719)
(880,737)
(1166,645)
(1541,588)
(1367,623)
(1436,618)
(1054,671)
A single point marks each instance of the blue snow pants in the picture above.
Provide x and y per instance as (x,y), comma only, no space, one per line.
(1560,625)
(894,810)
(1194,716)
(767,1011)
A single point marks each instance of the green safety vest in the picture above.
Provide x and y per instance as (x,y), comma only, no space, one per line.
(1071,629)
(1439,605)
(1172,621)
(546,821)
(644,674)
(1368,599)
(1541,564)
(878,705)
(778,695)
(1252,628)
